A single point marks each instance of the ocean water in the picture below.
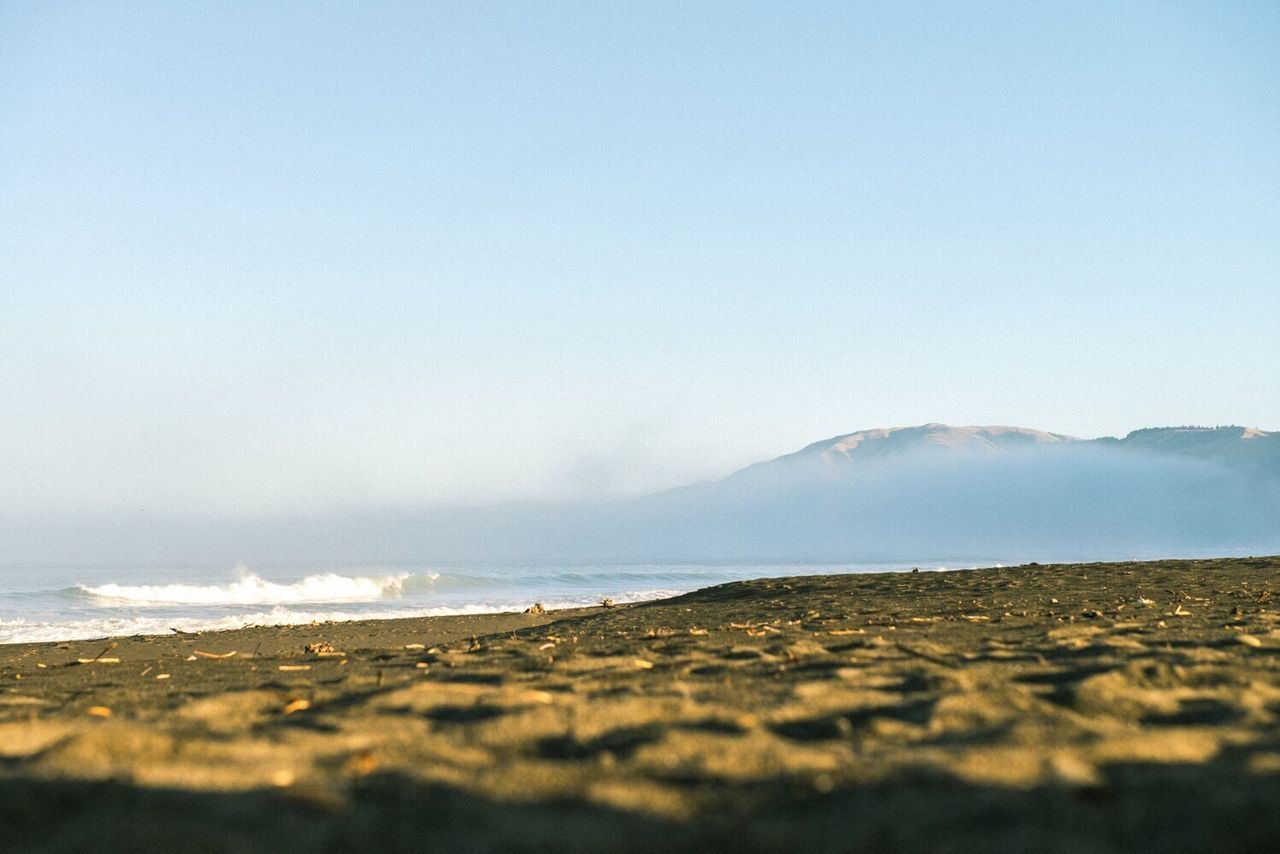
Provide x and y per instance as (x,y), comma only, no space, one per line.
(63,603)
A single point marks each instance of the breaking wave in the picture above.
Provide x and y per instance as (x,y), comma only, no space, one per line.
(251,589)
(32,631)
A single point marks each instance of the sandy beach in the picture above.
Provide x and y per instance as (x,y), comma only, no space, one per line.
(1085,707)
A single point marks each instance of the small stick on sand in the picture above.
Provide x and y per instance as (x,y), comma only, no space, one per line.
(200,654)
(105,650)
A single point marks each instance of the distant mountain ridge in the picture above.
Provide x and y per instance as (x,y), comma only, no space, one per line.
(928,494)
(1238,447)
(1248,448)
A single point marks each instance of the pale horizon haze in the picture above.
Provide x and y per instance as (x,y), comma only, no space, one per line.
(296,258)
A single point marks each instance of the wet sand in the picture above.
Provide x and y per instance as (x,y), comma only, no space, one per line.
(1087,707)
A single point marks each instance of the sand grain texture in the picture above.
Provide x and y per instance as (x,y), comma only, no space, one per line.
(1060,708)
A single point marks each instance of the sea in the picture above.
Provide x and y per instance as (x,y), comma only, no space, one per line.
(50,603)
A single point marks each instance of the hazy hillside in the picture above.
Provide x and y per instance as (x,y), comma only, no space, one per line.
(1241,447)
(1235,446)
(919,493)
(986,491)
(883,445)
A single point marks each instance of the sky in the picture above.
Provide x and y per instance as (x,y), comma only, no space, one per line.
(292,258)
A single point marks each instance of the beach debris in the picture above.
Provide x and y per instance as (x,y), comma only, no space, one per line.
(843,632)
(1179,611)
(362,764)
(642,664)
(606,603)
(324,649)
(421,665)
(146,670)
(297,705)
(1091,613)
(699,632)
(547,645)
(1249,640)
(474,646)
(293,667)
(98,711)
(535,608)
(161,676)
(201,654)
(99,657)
(755,630)
(1263,597)
(415,646)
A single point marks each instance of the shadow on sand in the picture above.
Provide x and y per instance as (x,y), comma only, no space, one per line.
(1210,806)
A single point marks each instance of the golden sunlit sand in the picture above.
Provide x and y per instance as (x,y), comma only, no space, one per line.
(1099,707)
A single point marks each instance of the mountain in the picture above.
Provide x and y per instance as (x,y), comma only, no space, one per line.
(1243,448)
(984,491)
(926,494)
(880,445)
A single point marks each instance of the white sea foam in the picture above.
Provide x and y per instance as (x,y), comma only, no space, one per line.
(252,589)
(25,631)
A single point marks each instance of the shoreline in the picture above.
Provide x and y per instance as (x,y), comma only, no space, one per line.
(321,612)
(1076,707)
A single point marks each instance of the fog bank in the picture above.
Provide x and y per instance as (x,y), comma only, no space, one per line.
(1069,501)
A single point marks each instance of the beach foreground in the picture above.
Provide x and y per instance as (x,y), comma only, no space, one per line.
(1098,707)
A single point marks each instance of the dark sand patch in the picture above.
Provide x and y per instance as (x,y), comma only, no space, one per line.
(1070,708)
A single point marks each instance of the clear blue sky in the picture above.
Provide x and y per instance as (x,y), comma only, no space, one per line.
(267,256)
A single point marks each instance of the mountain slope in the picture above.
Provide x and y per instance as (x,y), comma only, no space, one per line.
(1245,448)
(981,490)
(1240,447)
